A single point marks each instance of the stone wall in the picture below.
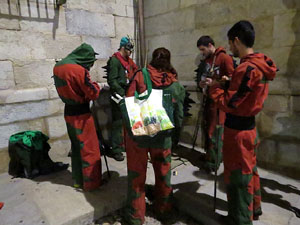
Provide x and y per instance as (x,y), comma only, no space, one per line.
(177,25)
(33,33)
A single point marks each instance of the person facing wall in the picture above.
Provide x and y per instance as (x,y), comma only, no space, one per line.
(75,88)
(163,76)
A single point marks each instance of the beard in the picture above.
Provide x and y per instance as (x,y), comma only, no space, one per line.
(207,56)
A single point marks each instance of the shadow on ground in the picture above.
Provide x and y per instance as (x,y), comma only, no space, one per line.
(277,199)
(191,201)
(194,157)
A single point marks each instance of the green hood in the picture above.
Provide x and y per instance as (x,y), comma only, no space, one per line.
(84,56)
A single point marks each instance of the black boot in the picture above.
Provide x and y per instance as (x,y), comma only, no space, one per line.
(118,156)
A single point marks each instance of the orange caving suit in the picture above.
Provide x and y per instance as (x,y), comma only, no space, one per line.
(75,88)
(211,113)
(159,147)
(243,100)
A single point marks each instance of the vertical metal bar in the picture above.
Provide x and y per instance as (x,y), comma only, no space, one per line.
(19,7)
(29,9)
(38,8)
(217,160)
(142,33)
(46,9)
(9,9)
(135,54)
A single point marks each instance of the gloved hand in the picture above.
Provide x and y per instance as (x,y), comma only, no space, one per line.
(116,98)
(104,86)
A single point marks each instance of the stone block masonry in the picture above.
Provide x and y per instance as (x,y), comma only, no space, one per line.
(6,75)
(81,22)
(33,34)
(177,25)
(27,111)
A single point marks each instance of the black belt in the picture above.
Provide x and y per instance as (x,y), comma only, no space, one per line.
(76,110)
(240,122)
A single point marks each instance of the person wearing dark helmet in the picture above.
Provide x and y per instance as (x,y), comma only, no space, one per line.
(76,90)
(120,70)
(242,101)
(163,76)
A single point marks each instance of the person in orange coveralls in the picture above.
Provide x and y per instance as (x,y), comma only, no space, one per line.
(222,67)
(163,76)
(76,90)
(242,100)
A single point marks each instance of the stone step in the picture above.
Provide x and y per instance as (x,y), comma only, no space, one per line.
(51,199)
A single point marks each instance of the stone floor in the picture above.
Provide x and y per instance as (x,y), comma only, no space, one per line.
(51,200)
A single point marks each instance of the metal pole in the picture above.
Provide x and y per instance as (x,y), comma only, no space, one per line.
(141,32)
(217,160)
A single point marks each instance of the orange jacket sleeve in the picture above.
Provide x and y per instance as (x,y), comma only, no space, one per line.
(244,79)
(90,89)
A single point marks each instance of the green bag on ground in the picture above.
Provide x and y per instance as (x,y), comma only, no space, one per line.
(28,151)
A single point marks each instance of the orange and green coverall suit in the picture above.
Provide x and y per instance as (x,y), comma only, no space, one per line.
(76,90)
(159,148)
(243,100)
(120,70)
(212,116)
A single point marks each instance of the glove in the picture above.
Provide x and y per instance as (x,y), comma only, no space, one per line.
(104,86)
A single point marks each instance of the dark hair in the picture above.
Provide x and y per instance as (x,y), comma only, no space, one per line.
(161,60)
(205,40)
(244,30)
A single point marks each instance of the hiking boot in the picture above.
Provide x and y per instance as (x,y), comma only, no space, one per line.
(257,215)
(149,192)
(207,168)
(118,156)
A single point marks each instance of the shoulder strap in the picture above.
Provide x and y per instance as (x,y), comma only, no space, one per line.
(213,64)
(132,78)
(148,83)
